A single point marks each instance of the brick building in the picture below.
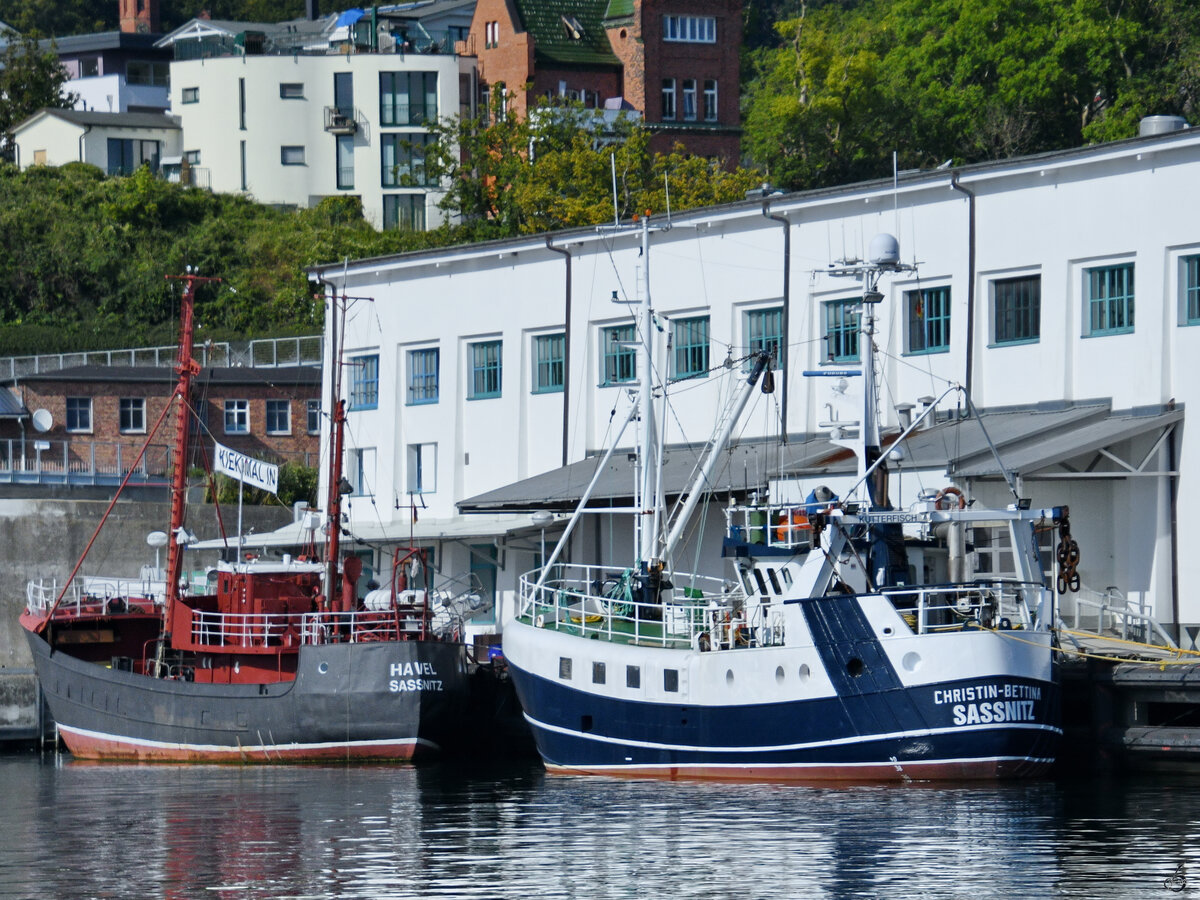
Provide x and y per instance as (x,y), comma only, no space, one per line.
(89,423)
(675,62)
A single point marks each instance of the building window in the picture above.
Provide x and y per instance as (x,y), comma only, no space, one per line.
(1109,299)
(343,94)
(928,320)
(126,155)
(710,100)
(403,158)
(690,29)
(485,370)
(1191,290)
(133,415)
(617,354)
(423,375)
(190,95)
(237,416)
(364,382)
(422,468)
(668,99)
(312,410)
(689,338)
(147,72)
(79,414)
(404,212)
(841,330)
(242,161)
(345,161)
(548,362)
(1017,309)
(241,104)
(407,98)
(689,99)
(279,417)
(192,157)
(361,471)
(764,331)
(291,156)
(491,35)
(291,91)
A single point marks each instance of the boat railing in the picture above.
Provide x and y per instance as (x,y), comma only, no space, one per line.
(1111,613)
(94,596)
(362,626)
(603,602)
(217,629)
(955,607)
(785,527)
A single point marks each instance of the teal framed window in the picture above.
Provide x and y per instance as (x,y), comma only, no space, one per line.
(1109,299)
(364,382)
(422,468)
(689,340)
(928,320)
(1191,290)
(485,370)
(423,375)
(617,355)
(548,363)
(1017,310)
(403,160)
(403,212)
(407,98)
(841,330)
(764,331)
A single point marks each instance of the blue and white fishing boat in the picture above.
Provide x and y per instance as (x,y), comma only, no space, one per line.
(850,640)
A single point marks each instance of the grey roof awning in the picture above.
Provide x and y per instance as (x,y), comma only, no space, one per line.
(1029,440)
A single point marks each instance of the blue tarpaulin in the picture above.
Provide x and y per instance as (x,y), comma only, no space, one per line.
(349,17)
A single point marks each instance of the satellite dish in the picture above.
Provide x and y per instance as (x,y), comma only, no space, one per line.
(157,539)
(43,421)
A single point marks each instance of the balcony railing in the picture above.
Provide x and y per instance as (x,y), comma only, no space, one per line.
(341,121)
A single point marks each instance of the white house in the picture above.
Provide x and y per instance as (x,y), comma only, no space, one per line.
(117,142)
(483,380)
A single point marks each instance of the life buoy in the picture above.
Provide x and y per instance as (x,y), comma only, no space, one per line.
(950,492)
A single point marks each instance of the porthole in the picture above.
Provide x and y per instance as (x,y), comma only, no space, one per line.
(779,674)
(804,673)
(911,661)
(855,667)
(323,668)
(729,676)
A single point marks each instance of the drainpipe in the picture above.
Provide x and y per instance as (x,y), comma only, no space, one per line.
(81,137)
(1173,498)
(970,362)
(566,351)
(787,288)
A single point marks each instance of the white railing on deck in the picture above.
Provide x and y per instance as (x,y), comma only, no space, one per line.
(1110,613)
(785,527)
(1000,604)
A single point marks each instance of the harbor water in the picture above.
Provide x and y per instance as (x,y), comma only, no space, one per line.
(74,830)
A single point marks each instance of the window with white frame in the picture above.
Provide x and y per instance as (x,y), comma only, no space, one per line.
(690,29)
(133,415)
(79,415)
(689,99)
(237,416)
(422,468)
(312,410)
(279,417)
(668,99)
(710,100)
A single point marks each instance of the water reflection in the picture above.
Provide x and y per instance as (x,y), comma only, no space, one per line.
(75,830)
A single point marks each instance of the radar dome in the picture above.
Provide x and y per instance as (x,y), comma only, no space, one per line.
(885,250)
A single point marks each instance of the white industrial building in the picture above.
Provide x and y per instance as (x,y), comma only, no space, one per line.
(484,380)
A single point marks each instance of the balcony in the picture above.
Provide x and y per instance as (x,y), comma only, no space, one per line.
(340,120)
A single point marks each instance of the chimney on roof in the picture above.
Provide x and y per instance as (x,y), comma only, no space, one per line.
(312,10)
(139,16)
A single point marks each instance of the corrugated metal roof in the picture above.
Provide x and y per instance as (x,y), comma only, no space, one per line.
(555,39)
(1027,439)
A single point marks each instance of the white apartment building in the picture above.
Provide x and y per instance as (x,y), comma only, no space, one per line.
(1062,290)
(289,120)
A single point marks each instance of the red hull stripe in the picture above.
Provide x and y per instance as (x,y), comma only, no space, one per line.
(933,770)
(86,744)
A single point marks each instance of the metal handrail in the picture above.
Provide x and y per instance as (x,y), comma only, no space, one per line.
(1114,614)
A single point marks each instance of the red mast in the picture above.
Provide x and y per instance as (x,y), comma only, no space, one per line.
(187,368)
(333,504)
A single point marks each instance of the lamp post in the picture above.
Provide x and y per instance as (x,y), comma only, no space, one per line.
(542,518)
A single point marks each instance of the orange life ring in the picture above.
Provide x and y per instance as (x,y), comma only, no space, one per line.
(950,492)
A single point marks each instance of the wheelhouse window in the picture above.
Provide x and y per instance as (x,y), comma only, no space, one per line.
(841,330)
(423,375)
(689,338)
(364,382)
(79,415)
(548,362)
(617,355)
(1109,296)
(485,370)
(279,417)
(928,320)
(237,416)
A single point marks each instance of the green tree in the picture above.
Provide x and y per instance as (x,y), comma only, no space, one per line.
(30,78)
